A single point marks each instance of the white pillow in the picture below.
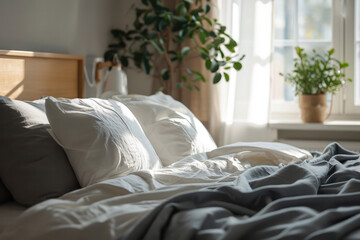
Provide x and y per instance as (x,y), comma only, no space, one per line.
(172,128)
(101,138)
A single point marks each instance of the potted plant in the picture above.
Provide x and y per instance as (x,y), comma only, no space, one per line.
(164,35)
(313,77)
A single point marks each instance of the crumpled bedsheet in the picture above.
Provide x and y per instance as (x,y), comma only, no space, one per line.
(108,209)
(315,199)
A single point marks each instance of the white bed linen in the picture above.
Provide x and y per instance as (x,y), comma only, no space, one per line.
(105,210)
(101,138)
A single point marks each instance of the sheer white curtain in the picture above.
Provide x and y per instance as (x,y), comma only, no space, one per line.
(244,101)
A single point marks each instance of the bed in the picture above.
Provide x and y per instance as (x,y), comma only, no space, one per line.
(144,167)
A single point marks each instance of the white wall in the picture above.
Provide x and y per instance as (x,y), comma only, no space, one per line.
(80,27)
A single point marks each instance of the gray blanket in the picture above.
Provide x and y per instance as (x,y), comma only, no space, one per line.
(319,199)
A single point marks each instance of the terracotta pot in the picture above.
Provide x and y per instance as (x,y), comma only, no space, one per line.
(313,108)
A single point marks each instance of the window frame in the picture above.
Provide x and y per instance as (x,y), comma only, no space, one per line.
(350,42)
(342,108)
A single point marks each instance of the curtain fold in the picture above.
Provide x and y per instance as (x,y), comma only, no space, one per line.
(244,101)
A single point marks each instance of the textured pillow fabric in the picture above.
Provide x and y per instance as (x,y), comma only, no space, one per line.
(33,167)
(172,128)
(102,138)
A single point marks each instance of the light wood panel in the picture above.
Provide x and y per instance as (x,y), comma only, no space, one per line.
(31,75)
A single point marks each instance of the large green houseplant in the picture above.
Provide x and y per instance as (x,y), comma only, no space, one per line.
(174,34)
(313,77)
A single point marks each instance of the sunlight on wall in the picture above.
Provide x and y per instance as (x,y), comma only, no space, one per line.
(13,69)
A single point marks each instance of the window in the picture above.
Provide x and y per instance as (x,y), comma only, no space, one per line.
(352,54)
(320,24)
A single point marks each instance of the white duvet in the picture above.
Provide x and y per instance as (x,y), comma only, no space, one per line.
(105,210)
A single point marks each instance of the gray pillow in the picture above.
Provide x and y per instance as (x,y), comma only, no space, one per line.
(33,167)
(4,193)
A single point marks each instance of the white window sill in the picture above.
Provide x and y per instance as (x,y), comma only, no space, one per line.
(331,125)
(329,131)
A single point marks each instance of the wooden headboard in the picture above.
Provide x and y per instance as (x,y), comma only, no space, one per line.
(31,75)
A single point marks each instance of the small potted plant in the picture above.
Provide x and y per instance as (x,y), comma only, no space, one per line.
(313,76)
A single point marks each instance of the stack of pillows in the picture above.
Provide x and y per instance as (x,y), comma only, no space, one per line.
(52,146)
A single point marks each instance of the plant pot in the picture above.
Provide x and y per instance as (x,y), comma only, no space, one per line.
(313,108)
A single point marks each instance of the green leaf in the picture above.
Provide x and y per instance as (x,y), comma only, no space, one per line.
(124,61)
(227,78)
(157,47)
(182,11)
(331,51)
(139,12)
(165,74)
(152,35)
(217,78)
(117,33)
(197,88)
(144,2)
(221,53)
(196,12)
(166,16)
(196,78)
(299,51)
(231,45)
(344,65)
(207,8)
(178,6)
(237,65)
(202,36)
(214,66)
(181,33)
(200,76)
(185,51)
(204,56)
(118,45)
(184,78)
(161,25)
(146,65)
(109,55)
(138,59)
(209,46)
(222,29)
(208,64)
(203,50)
(222,63)
(189,71)
(180,85)
(149,19)
(207,20)
(212,34)
(160,89)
